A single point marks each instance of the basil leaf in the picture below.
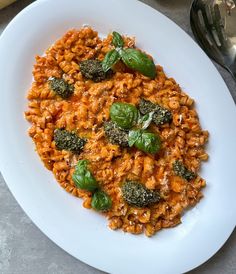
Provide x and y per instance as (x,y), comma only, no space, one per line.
(83,178)
(110,59)
(117,40)
(148,142)
(124,115)
(133,136)
(145,121)
(139,61)
(101,201)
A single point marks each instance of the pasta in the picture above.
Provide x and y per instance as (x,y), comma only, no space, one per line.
(87,109)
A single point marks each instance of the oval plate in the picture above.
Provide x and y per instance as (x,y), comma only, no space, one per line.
(83,233)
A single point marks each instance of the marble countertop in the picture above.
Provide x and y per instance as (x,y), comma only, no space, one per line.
(24,249)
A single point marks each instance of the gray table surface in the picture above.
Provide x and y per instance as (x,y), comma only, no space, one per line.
(24,249)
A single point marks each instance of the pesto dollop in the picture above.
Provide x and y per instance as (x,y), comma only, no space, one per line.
(160,116)
(182,171)
(136,194)
(61,87)
(93,70)
(67,140)
(116,135)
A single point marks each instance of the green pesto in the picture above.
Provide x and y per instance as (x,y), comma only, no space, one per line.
(67,140)
(116,135)
(61,87)
(93,70)
(136,194)
(182,171)
(160,116)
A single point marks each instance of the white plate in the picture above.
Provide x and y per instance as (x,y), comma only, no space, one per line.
(81,232)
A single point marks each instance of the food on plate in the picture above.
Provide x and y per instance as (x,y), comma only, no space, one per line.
(116,131)
(116,135)
(67,140)
(92,69)
(160,115)
(182,171)
(136,194)
(61,87)
(84,179)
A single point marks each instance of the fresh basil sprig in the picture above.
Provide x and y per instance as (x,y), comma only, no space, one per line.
(132,58)
(84,179)
(145,141)
(127,117)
